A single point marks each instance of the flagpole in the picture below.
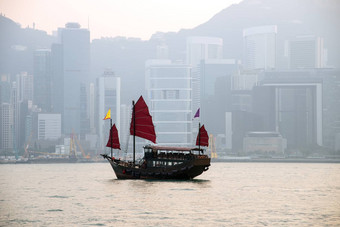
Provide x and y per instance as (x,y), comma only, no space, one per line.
(111,135)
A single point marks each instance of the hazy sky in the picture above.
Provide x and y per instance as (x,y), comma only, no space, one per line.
(110,18)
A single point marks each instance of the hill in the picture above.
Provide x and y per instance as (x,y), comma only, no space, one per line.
(292,17)
(17,45)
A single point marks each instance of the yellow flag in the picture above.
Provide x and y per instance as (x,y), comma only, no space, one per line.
(108,115)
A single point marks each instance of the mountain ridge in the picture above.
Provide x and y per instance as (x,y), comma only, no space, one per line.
(298,17)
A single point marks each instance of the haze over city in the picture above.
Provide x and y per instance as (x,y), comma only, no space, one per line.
(130,18)
(255,69)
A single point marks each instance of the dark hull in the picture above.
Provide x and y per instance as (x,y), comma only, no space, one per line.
(184,171)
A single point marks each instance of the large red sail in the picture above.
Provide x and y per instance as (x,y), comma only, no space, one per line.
(202,137)
(143,126)
(113,139)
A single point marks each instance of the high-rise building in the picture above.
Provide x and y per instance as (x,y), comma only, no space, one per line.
(75,43)
(26,94)
(125,119)
(5,97)
(291,103)
(214,76)
(205,56)
(92,108)
(5,89)
(169,95)
(21,96)
(203,48)
(24,82)
(57,78)
(42,79)
(306,52)
(260,47)
(108,97)
(6,129)
(49,126)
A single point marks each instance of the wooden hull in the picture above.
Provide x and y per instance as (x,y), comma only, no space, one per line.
(185,171)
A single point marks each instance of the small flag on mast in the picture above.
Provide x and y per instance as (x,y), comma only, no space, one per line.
(197,114)
(108,115)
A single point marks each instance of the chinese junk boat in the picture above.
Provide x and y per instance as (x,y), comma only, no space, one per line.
(159,162)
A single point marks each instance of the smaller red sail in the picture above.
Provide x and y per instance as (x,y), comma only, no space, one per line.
(202,137)
(113,139)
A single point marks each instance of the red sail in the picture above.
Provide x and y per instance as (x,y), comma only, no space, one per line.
(114,137)
(202,137)
(144,127)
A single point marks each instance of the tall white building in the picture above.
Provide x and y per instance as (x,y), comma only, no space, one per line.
(108,97)
(260,47)
(49,126)
(92,108)
(22,95)
(169,94)
(124,132)
(200,51)
(203,48)
(25,86)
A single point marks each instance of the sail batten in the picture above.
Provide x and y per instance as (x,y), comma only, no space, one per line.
(113,139)
(141,122)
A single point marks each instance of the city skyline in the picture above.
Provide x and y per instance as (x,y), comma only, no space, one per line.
(230,66)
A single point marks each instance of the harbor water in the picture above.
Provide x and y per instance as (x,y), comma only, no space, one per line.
(228,194)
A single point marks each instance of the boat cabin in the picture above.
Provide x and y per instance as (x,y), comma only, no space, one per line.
(158,156)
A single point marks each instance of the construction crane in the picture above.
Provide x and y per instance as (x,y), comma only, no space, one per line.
(212,146)
(72,146)
(73,140)
(26,155)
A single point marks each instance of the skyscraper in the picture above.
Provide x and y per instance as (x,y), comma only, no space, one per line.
(6,129)
(49,126)
(21,96)
(260,47)
(291,103)
(306,52)
(75,43)
(108,97)
(203,48)
(202,52)
(57,78)
(42,79)
(169,91)
(214,76)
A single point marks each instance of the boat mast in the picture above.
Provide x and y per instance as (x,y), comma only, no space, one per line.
(111,135)
(134,131)
(199,137)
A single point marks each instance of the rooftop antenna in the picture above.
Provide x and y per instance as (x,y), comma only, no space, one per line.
(88,22)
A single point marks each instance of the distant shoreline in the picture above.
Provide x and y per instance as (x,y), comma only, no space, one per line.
(213,160)
(279,160)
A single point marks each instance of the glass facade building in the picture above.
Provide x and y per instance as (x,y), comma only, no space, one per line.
(170,101)
(76,70)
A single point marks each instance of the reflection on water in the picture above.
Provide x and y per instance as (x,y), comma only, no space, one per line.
(229,194)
